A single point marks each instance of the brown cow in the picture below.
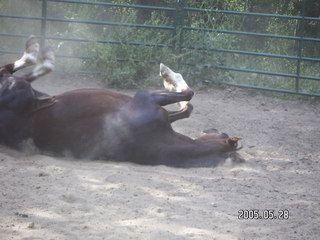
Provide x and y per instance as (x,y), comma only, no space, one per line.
(101,124)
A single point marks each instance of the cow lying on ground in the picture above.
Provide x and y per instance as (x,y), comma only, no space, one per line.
(101,124)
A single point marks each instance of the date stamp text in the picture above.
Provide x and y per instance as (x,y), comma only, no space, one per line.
(267,214)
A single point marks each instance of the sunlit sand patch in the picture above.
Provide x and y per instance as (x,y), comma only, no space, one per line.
(44,213)
(104,187)
(162,194)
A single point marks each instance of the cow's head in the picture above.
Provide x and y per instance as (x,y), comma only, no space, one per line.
(220,141)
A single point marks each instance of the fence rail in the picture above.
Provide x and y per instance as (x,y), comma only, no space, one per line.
(178,29)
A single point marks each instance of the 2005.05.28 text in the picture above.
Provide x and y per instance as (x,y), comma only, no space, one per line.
(245,214)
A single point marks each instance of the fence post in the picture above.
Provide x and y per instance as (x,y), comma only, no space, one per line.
(300,46)
(178,24)
(43,22)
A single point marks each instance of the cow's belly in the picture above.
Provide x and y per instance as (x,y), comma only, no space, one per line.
(76,123)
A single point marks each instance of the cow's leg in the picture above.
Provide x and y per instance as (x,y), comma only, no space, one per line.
(184,112)
(174,82)
(177,92)
(145,105)
(44,66)
(165,97)
(44,62)
(30,55)
(161,98)
(29,58)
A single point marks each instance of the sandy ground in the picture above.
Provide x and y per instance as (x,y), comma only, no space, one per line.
(43,197)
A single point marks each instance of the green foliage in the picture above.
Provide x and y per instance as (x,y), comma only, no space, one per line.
(128,64)
(140,63)
(198,55)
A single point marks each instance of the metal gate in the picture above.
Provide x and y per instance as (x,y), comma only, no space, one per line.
(180,26)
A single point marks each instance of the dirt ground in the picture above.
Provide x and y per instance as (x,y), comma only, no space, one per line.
(43,197)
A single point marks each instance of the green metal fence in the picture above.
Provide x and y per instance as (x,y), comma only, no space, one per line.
(179,29)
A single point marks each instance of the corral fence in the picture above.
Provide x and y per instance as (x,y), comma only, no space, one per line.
(302,80)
